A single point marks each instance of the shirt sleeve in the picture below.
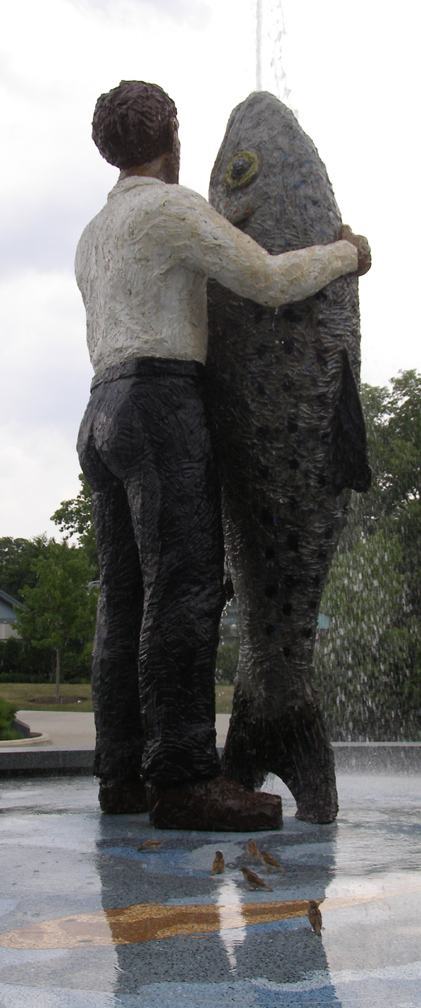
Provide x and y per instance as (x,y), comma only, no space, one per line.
(202,239)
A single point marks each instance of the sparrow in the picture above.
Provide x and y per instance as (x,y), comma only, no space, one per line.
(218,865)
(314,916)
(269,862)
(151,845)
(254,881)
(253,849)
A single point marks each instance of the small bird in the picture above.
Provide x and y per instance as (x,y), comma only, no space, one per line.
(151,845)
(254,881)
(218,865)
(253,849)
(270,863)
(314,916)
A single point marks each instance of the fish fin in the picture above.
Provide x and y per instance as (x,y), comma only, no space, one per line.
(349,440)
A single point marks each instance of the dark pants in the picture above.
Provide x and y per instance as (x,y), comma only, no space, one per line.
(145,450)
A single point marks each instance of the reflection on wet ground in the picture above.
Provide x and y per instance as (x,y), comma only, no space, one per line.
(89,921)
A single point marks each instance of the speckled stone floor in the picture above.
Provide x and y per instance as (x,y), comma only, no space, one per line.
(89,921)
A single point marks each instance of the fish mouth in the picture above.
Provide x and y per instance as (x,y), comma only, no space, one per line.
(239,218)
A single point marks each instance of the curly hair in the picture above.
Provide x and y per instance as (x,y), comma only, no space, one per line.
(132,123)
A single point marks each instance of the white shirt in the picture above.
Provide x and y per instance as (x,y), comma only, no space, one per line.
(143,261)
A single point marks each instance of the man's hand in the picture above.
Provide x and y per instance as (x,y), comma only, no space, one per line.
(362,247)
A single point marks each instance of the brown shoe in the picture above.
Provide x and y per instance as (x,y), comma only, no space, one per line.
(217,804)
(123,796)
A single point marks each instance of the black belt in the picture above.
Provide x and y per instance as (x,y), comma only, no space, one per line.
(144,367)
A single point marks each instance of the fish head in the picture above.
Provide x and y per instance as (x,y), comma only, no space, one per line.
(267,177)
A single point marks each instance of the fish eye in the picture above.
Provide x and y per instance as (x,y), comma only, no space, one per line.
(242,169)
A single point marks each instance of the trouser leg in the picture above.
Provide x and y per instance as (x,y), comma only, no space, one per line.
(174,503)
(115,687)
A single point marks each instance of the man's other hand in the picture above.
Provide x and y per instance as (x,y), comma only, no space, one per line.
(362,247)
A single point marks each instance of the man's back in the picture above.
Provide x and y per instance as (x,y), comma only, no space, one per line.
(142,299)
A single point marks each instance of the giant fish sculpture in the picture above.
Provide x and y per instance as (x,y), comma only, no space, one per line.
(290,440)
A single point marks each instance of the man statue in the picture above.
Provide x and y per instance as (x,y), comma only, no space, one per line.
(144,447)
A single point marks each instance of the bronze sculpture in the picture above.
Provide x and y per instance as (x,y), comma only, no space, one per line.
(145,449)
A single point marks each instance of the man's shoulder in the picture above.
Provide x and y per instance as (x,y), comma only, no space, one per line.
(159,202)
(182,193)
(152,192)
(182,196)
(182,203)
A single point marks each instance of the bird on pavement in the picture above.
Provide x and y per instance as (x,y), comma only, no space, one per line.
(254,881)
(253,849)
(314,916)
(151,845)
(270,863)
(218,865)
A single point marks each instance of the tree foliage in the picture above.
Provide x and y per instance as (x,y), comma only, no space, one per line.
(59,611)
(74,518)
(16,563)
(368,665)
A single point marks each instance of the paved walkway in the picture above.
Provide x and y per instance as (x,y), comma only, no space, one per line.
(87,920)
(69,728)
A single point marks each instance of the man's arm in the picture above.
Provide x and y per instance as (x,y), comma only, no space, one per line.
(202,239)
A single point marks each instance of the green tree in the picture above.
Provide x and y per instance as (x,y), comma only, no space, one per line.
(16,560)
(74,518)
(59,611)
(394,438)
(368,665)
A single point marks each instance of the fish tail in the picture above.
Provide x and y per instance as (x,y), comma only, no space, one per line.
(294,747)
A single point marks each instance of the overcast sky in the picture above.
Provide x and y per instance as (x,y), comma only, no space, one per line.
(353,75)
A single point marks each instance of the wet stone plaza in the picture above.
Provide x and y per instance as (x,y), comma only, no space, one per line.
(89,921)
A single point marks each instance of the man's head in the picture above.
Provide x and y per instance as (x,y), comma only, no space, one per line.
(134,124)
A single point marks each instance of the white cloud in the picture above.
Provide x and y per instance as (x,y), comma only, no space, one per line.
(37,473)
(46,378)
(195,12)
(44,358)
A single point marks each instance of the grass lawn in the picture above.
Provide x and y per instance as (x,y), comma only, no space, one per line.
(74,697)
(223,694)
(40,696)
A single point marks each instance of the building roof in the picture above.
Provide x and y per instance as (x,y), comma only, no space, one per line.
(8,606)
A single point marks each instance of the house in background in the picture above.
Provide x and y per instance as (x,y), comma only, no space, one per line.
(8,606)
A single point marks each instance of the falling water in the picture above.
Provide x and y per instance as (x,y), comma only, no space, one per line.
(270,38)
(259,45)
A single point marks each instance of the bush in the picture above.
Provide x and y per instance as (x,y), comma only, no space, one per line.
(20,662)
(7,717)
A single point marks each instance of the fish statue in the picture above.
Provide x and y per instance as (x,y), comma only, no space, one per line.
(290,440)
